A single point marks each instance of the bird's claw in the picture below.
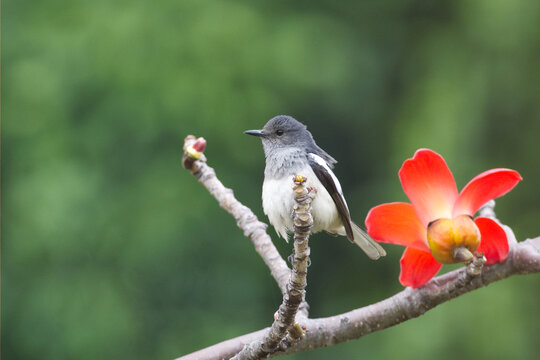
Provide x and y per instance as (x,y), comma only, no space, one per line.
(290,258)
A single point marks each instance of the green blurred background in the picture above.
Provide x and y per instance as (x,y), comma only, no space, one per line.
(111,250)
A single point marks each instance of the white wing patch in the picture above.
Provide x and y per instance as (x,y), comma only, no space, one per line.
(319,160)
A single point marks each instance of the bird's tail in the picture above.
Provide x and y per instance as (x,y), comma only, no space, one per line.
(366,243)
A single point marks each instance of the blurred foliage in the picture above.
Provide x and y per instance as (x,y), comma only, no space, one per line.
(112,250)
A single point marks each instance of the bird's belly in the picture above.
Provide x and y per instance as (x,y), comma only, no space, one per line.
(277,197)
(278,202)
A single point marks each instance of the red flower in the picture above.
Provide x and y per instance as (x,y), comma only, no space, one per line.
(438,210)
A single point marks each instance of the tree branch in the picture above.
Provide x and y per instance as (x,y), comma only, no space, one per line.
(245,219)
(523,258)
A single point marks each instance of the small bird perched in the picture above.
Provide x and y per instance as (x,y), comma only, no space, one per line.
(289,149)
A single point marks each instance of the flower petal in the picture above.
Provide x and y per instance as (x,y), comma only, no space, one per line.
(494,243)
(417,267)
(488,185)
(429,184)
(397,223)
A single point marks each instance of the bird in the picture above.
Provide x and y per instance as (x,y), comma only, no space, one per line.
(290,150)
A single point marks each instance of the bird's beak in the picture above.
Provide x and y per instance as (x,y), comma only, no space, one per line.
(258,133)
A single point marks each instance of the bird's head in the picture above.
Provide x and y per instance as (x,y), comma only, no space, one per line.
(283,132)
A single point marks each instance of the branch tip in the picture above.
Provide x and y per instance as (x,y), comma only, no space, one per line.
(193,150)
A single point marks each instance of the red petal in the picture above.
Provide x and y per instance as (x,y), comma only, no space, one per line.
(417,268)
(488,185)
(429,184)
(397,223)
(493,243)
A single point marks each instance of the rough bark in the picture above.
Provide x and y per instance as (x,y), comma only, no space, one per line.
(276,337)
(524,258)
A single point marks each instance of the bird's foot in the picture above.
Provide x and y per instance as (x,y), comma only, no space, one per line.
(291,258)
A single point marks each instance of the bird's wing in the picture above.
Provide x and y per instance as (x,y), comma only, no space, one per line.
(316,150)
(332,185)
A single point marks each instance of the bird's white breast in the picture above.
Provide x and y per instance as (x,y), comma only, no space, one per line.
(278,202)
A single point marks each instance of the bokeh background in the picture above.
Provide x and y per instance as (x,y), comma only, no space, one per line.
(111,250)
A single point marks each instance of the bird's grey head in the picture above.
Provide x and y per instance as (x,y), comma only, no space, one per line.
(283,132)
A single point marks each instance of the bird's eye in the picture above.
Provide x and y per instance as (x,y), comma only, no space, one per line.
(279,132)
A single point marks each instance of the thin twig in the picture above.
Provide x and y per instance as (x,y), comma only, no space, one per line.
(245,219)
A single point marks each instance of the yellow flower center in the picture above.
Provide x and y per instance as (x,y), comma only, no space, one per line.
(453,240)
